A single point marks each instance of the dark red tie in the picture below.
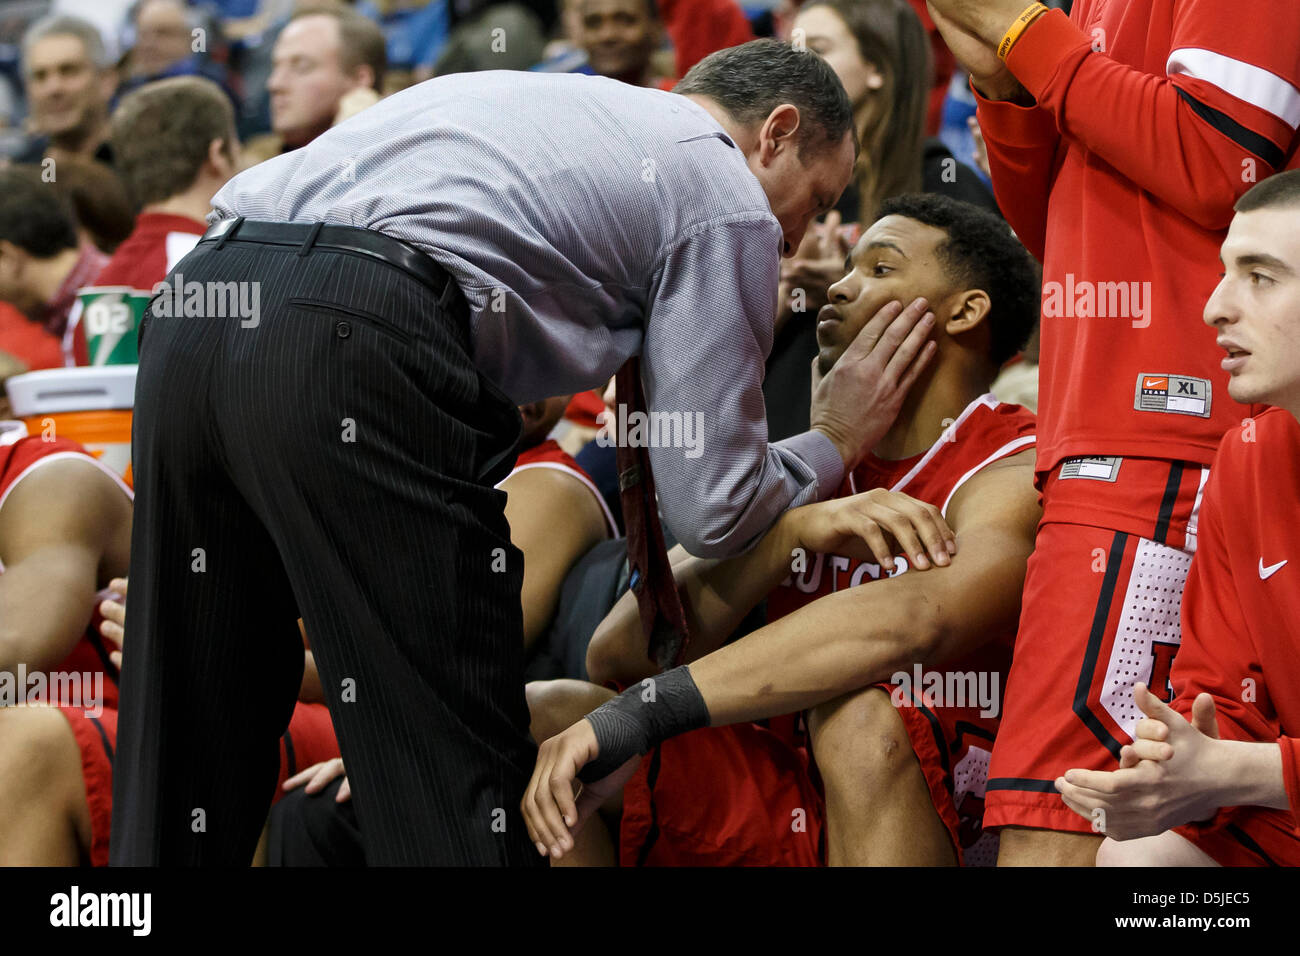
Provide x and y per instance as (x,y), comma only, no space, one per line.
(650,575)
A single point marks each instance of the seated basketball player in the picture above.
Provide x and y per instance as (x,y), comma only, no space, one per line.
(903,763)
(556,513)
(1222,765)
(65,532)
(65,537)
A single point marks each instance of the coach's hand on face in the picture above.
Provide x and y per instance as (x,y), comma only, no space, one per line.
(856,401)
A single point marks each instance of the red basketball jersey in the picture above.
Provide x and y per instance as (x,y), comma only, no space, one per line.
(985,432)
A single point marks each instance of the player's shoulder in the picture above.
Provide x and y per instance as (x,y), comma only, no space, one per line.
(989,432)
(1012,418)
(1269,440)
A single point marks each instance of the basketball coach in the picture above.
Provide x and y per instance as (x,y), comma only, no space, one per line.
(473,243)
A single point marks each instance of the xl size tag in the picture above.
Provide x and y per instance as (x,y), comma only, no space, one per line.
(1098,468)
(1176,394)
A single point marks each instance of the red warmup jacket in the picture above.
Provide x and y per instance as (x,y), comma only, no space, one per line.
(1153,117)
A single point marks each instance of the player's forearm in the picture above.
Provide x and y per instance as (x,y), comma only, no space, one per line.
(1021,145)
(1247,774)
(838,644)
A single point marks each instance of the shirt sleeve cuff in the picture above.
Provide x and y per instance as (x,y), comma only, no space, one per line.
(819,453)
(1013,125)
(1042,48)
(1291,773)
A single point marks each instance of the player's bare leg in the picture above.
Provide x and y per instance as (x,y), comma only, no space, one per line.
(1023,846)
(878,807)
(1163,849)
(44,817)
(554,706)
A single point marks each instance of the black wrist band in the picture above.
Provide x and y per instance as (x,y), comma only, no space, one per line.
(643,715)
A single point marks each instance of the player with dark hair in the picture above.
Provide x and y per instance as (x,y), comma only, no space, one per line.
(957,465)
(42,262)
(1221,765)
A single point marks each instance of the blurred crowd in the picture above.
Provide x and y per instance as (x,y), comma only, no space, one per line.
(267,76)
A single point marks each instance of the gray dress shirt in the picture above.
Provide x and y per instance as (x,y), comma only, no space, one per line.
(586,220)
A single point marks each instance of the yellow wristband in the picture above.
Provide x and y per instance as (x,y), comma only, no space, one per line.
(1032,13)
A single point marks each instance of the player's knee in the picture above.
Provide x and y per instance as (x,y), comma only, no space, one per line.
(37,749)
(1117,853)
(555,705)
(861,737)
(1027,846)
(1162,849)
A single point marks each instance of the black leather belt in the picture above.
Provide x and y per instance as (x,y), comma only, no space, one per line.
(361,242)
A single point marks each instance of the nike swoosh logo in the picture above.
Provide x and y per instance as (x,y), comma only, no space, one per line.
(1267,572)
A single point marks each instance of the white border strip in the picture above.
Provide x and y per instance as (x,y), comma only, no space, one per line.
(1245,81)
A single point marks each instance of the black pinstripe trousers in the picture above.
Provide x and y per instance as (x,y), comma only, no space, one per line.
(331,457)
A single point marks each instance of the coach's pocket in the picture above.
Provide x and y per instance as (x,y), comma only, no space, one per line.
(377,322)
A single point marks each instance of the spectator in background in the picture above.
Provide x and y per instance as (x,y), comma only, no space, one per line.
(42,264)
(695,28)
(100,204)
(490,36)
(942,63)
(879,50)
(170,41)
(620,38)
(322,55)
(176,146)
(69,85)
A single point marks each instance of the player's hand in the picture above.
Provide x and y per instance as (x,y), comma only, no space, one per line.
(874,526)
(856,402)
(556,805)
(989,20)
(318,776)
(1151,736)
(1172,783)
(977,55)
(113,626)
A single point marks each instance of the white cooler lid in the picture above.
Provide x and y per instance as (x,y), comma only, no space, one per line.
(82,389)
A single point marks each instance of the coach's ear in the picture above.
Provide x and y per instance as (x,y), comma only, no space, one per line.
(966,311)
